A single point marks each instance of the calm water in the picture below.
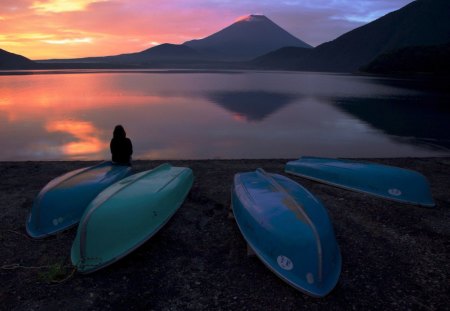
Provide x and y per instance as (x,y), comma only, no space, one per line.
(220,115)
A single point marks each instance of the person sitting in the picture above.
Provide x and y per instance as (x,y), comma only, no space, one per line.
(121,147)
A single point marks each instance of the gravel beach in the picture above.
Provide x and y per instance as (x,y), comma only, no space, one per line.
(395,256)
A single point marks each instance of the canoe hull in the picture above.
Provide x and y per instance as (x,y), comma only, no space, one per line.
(60,204)
(127,214)
(289,230)
(393,183)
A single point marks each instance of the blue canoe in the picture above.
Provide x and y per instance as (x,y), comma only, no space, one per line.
(60,204)
(288,229)
(128,213)
(384,181)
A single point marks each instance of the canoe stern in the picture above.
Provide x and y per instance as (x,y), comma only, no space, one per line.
(60,204)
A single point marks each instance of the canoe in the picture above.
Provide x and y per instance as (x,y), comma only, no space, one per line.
(60,204)
(384,181)
(127,214)
(288,229)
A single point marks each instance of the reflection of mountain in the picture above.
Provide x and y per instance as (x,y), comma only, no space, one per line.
(423,83)
(420,119)
(251,105)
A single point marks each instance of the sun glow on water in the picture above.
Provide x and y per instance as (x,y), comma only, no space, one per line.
(85,135)
(204,116)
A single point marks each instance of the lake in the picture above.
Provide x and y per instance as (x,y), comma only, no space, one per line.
(220,115)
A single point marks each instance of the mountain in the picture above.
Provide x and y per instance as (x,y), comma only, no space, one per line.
(282,58)
(10,60)
(246,39)
(164,53)
(415,59)
(420,23)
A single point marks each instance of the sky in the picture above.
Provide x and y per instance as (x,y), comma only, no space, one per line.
(44,29)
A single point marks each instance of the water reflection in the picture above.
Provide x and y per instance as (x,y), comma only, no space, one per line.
(199,116)
(423,84)
(84,137)
(251,105)
(422,120)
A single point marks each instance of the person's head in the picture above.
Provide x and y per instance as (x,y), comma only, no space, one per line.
(119,132)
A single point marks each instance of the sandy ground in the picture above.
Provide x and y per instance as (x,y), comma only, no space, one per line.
(395,256)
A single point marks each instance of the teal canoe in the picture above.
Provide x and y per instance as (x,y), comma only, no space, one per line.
(127,214)
(384,181)
(60,204)
(288,229)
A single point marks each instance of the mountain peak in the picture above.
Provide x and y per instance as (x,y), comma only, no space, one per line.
(250,36)
(252,18)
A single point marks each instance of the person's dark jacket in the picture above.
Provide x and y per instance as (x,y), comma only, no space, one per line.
(121,147)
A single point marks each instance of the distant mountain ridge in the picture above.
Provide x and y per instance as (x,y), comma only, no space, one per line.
(10,60)
(164,53)
(431,59)
(255,42)
(249,37)
(244,40)
(422,22)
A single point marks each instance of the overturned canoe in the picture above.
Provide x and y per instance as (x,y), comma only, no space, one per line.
(288,229)
(60,204)
(127,214)
(388,182)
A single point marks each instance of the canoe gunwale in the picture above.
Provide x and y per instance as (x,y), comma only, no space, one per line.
(49,233)
(167,183)
(246,191)
(323,181)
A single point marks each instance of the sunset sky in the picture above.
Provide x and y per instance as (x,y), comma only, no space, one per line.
(42,29)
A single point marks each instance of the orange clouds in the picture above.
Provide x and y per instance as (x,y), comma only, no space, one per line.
(81,28)
(69,41)
(43,29)
(58,6)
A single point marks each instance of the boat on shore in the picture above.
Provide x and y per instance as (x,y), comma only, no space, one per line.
(60,204)
(389,182)
(288,229)
(127,214)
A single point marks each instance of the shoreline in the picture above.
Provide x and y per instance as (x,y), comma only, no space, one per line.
(395,256)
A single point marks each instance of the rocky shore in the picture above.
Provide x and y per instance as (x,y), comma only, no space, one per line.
(395,256)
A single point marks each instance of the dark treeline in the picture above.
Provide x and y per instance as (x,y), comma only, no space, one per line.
(416,59)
